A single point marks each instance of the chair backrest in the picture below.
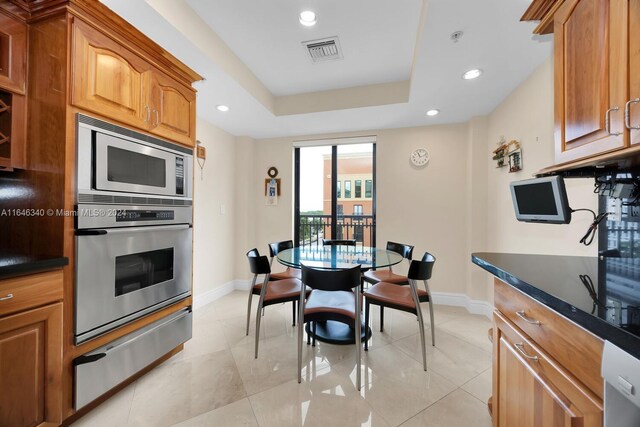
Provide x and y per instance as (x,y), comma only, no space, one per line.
(277,247)
(400,248)
(338,242)
(331,280)
(421,270)
(258,264)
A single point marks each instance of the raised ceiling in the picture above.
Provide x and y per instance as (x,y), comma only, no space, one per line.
(399,60)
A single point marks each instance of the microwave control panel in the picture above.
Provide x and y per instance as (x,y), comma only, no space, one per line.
(180,175)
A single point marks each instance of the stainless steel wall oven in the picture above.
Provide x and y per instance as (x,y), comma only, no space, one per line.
(133,226)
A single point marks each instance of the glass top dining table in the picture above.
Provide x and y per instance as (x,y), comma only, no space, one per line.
(338,257)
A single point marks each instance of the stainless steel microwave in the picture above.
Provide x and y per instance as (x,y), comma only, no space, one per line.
(116,164)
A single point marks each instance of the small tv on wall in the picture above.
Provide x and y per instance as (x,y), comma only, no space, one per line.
(541,200)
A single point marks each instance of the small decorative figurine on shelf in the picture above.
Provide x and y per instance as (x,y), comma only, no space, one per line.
(508,150)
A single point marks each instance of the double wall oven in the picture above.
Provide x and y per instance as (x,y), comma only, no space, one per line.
(133,248)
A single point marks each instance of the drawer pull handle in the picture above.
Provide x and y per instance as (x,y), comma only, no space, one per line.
(521,315)
(520,347)
(607,122)
(9,296)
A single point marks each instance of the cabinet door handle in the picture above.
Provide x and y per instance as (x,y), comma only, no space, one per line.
(524,317)
(157,117)
(9,296)
(627,114)
(520,347)
(607,122)
(148,115)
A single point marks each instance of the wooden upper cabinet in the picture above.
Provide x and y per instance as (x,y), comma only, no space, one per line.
(13,54)
(172,108)
(590,77)
(31,367)
(632,108)
(107,77)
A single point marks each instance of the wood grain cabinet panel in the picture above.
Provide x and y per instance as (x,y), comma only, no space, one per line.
(590,77)
(107,78)
(531,389)
(632,108)
(173,108)
(13,54)
(31,367)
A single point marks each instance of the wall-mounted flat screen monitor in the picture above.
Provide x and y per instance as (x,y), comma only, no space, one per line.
(541,200)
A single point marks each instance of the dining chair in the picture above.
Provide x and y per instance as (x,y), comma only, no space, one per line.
(334,296)
(405,298)
(338,242)
(271,292)
(290,273)
(387,275)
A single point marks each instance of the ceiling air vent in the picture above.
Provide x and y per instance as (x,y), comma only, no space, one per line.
(327,49)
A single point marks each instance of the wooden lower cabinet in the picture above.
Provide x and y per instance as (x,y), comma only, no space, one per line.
(530,389)
(31,367)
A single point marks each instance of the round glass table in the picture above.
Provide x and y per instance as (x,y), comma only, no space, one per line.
(338,258)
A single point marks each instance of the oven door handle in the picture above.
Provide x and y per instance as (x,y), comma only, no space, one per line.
(127,230)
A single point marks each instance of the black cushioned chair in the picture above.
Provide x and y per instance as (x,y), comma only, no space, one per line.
(334,296)
(271,292)
(406,298)
(289,273)
(387,275)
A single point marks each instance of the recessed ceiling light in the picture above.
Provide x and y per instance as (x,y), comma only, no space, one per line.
(472,74)
(308,18)
(223,108)
(433,112)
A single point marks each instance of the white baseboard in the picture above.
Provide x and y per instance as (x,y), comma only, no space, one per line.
(212,295)
(441,298)
(462,300)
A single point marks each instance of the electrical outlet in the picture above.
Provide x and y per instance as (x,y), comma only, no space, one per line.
(615,212)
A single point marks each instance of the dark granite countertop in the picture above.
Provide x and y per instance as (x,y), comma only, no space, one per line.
(600,294)
(17,265)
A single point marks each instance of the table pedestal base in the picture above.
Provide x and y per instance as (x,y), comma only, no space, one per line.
(333,332)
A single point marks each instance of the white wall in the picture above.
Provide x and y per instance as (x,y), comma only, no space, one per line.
(214,193)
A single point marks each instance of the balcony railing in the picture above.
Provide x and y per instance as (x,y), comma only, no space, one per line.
(313,228)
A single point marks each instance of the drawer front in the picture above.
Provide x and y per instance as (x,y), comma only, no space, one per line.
(534,389)
(24,292)
(579,351)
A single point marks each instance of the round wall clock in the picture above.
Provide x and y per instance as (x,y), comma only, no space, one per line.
(419,157)
(272,172)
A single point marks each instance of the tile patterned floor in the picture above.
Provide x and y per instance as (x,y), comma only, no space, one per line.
(216,381)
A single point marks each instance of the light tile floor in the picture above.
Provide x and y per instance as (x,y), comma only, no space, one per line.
(216,381)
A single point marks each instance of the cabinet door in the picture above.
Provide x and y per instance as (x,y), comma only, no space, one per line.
(530,389)
(590,77)
(13,54)
(107,78)
(173,109)
(633,105)
(31,367)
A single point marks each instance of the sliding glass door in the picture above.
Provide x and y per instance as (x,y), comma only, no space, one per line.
(335,194)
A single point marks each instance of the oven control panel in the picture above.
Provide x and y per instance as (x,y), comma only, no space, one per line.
(126,215)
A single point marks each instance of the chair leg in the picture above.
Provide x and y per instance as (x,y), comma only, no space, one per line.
(258,318)
(433,328)
(300,328)
(315,324)
(424,348)
(367,307)
(358,341)
(249,311)
(381,318)
(294,313)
